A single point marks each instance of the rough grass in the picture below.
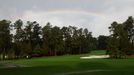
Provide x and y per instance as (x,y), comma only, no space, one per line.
(63,65)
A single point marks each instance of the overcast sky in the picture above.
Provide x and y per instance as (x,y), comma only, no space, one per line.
(96,15)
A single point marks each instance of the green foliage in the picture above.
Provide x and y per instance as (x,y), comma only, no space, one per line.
(102,42)
(119,45)
(5,37)
(31,39)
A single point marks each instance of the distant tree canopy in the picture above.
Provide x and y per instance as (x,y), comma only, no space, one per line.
(121,40)
(30,39)
(102,42)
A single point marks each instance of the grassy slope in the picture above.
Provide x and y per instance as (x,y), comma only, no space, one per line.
(63,64)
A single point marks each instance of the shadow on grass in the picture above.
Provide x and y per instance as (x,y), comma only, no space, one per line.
(69,67)
(53,69)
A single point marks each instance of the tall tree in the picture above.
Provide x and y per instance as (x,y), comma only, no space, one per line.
(129,27)
(29,36)
(119,44)
(36,35)
(56,39)
(5,37)
(18,38)
(46,33)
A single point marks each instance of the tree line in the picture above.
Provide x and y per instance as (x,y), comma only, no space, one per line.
(19,39)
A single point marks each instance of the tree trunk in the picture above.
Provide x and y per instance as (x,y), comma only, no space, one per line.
(55,53)
(80,50)
(132,44)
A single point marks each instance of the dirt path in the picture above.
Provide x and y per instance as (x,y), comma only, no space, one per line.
(80,72)
(11,65)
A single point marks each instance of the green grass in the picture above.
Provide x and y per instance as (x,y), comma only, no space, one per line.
(98,52)
(73,63)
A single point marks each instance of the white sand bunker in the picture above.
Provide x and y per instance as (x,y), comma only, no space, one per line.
(95,56)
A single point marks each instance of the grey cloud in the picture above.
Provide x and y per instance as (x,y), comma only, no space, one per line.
(105,11)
